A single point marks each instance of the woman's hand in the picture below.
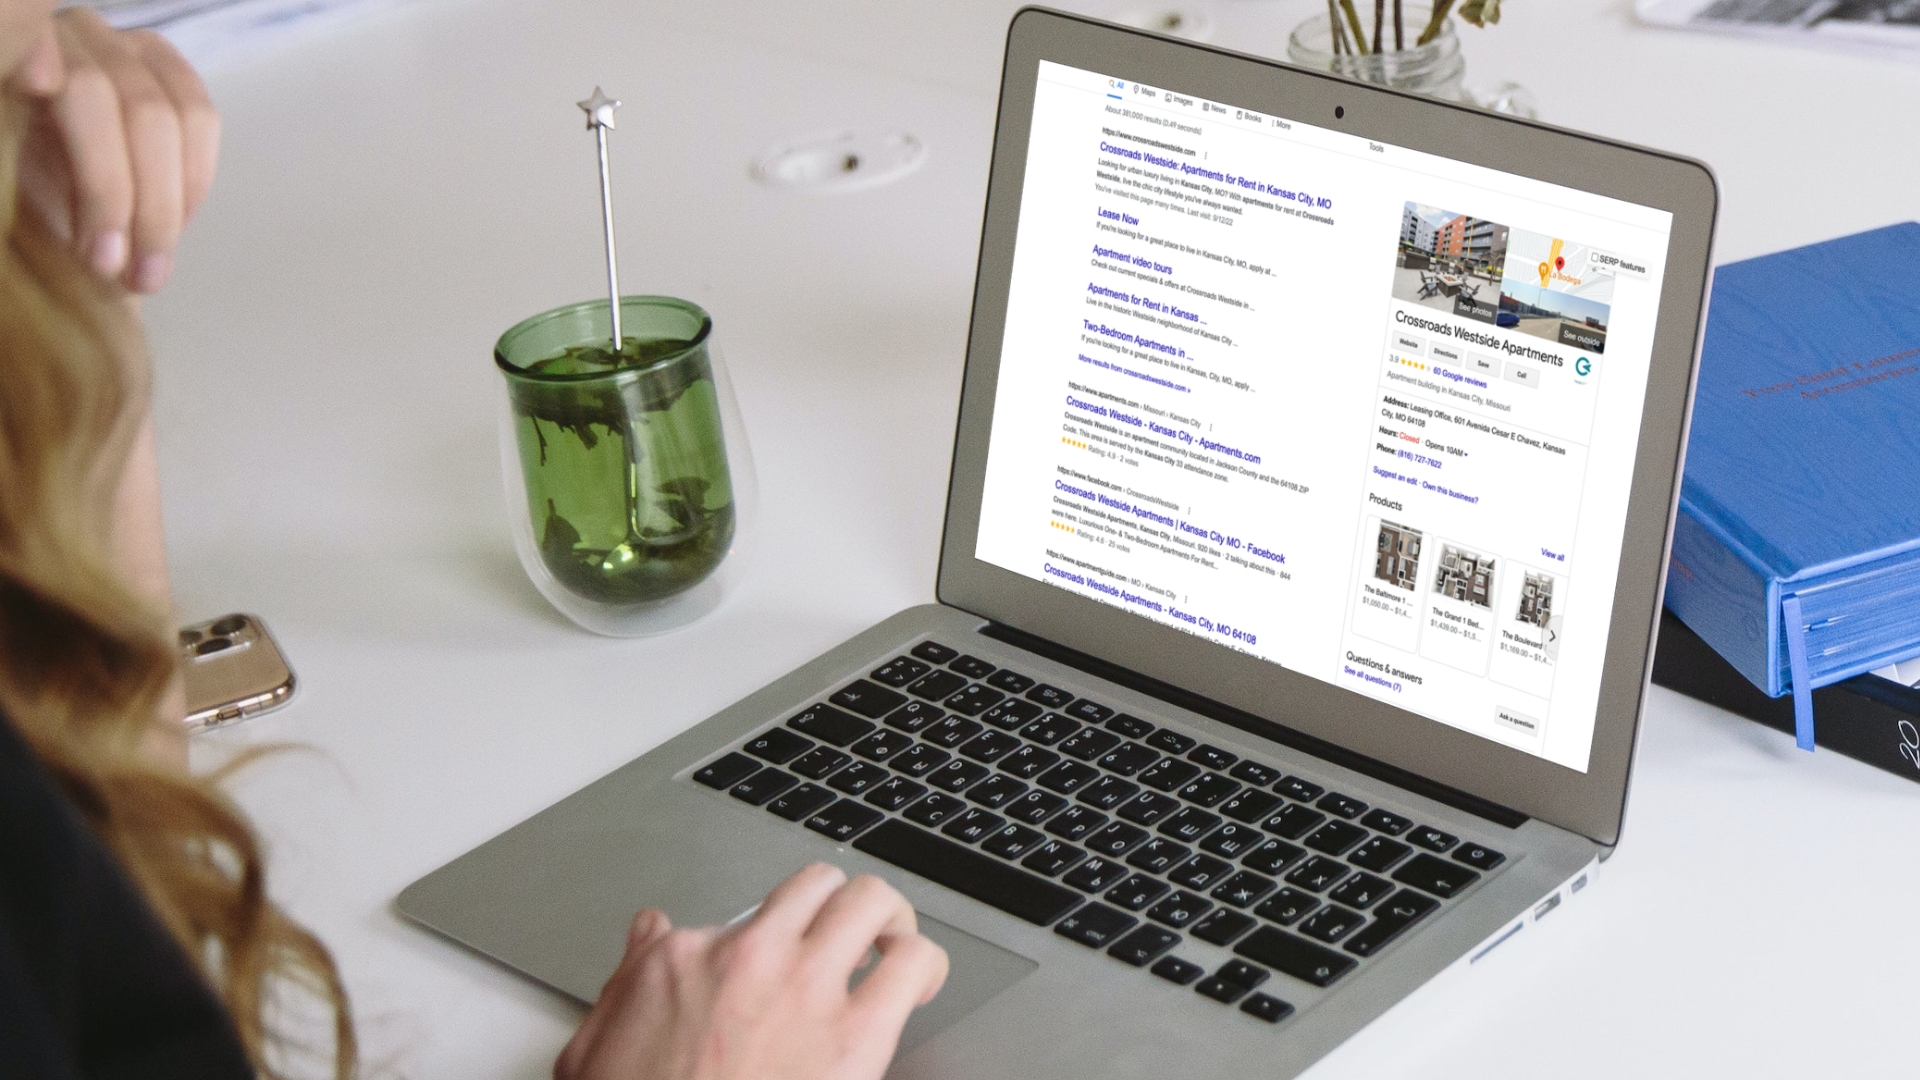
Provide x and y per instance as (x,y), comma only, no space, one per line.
(766,998)
(122,148)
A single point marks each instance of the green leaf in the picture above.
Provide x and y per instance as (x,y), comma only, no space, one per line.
(1480,12)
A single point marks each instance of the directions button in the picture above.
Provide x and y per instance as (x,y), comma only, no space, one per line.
(1525,376)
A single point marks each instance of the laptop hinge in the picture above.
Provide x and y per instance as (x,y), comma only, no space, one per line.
(1266,729)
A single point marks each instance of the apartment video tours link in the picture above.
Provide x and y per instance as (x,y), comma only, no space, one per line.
(1363,412)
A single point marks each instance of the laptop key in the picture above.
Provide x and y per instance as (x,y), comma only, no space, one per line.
(1272,856)
(1028,762)
(933,810)
(1158,855)
(969,872)
(1091,711)
(830,725)
(1386,821)
(1437,876)
(973,700)
(1209,790)
(990,746)
(1286,906)
(950,732)
(972,826)
(1293,787)
(844,820)
(1317,873)
(895,792)
(1011,714)
(1480,858)
(1212,756)
(1177,971)
(1035,807)
(1170,741)
(1200,872)
(1294,956)
(913,716)
(919,759)
(1149,808)
(1136,892)
(758,789)
(1169,774)
(1339,805)
(1050,696)
(934,652)
(1095,925)
(1116,839)
(727,772)
(1143,945)
(1076,823)
(1107,793)
(972,667)
(1331,923)
(1050,729)
(1220,990)
(996,791)
(1292,821)
(1179,909)
(1131,726)
(1089,743)
(1011,681)
(777,745)
(1011,842)
(956,775)
(1231,841)
(1097,874)
(1128,758)
(1243,888)
(801,801)
(1402,910)
(899,671)
(1241,973)
(857,778)
(870,700)
(1362,890)
(816,763)
(1433,839)
(1248,806)
(1221,927)
(1068,777)
(1266,1007)
(1052,857)
(1335,837)
(936,685)
(1254,773)
(1379,854)
(1190,824)
(882,745)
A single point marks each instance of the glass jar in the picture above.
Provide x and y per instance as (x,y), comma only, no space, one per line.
(628,476)
(1436,69)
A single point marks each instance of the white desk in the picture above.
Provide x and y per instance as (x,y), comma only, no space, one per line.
(396,193)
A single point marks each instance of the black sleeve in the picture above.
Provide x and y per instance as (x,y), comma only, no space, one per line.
(91,985)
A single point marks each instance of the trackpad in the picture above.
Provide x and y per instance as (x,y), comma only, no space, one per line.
(977,971)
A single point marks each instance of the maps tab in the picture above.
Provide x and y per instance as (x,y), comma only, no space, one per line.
(1408,343)
(1524,376)
(1517,721)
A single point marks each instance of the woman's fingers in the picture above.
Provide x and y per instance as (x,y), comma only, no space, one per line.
(199,120)
(87,120)
(856,918)
(794,903)
(910,972)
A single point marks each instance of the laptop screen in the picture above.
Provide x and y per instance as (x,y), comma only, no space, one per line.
(1365,413)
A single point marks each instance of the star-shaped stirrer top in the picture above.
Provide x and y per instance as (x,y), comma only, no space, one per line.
(599,109)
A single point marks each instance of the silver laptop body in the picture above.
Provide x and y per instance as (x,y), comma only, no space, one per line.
(1214,747)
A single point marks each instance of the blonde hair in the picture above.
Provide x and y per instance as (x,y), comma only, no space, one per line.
(85,663)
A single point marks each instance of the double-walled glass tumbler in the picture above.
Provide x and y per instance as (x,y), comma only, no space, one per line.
(628,475)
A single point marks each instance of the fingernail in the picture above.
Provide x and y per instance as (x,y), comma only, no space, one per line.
(109,253)
(152,272)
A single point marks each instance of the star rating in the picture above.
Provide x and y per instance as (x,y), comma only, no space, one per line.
(599,109)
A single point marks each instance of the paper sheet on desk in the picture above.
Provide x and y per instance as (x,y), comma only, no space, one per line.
(1883,27)
(205,30)
(1906,673)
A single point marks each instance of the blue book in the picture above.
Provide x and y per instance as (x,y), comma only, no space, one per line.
(1796,554)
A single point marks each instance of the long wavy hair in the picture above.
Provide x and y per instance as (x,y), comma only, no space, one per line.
(85,662)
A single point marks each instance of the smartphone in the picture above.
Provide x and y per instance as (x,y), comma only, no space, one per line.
(233,671)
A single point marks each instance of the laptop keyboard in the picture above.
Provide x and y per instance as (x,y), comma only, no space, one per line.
(1118,834)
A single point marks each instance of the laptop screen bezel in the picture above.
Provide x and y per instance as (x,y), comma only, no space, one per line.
(1589,803)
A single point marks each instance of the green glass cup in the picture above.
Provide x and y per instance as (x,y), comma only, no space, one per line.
(622,469)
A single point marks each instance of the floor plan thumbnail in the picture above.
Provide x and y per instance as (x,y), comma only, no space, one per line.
(1465,575)
(1397,562)
(1536,599)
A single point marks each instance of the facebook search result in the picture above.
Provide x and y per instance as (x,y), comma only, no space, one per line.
(1366,413)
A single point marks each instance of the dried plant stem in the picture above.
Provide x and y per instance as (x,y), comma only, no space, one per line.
(1339,34)
(1379,25)
(1399,28)
(1440,10)
(1353,21)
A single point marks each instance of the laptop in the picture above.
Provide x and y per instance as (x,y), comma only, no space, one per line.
(1315,465)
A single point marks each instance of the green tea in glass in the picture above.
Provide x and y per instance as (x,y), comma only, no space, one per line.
(621,457)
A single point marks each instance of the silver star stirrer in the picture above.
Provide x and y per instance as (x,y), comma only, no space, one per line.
(599,109)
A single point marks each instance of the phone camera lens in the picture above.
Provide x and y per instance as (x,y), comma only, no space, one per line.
(1339,112)
(230,625)
(189,637)
(212,645)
